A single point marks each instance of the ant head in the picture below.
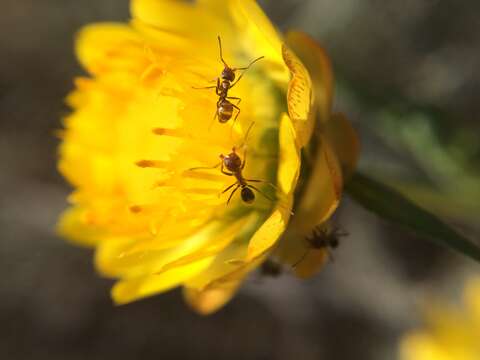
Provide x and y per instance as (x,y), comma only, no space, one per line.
(247,195)
(228,74)
(222,156)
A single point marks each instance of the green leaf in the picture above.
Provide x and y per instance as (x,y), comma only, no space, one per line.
(390,204)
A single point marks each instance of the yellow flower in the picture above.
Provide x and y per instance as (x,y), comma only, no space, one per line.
(451,334)
(139,127)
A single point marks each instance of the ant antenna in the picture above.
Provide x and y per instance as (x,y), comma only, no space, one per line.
(300,260)
(221,52)
(245,70)
(247,134)
(251,63)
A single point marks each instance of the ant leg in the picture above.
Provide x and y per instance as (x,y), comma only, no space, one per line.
(213,120)
(222,169)
(238,113)
(300,260)
(231,194)
(206,167)
(261,192)
(264,182)
(204,87)
(330,255)
(228,188)
(235,98)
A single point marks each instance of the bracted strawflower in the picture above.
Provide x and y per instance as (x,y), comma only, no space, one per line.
(141,148)
(450,334)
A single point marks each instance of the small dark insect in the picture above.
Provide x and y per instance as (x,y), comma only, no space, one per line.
(271,268)
(225,82)
(323,237)
(233,165)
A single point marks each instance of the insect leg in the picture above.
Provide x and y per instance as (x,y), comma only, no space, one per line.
(204,87)
(231,194)
(213,120)
(228,188)
(261,192)
(300,260)
(206,167)
(263,181)
(222,169)
(235,98)
(238,113)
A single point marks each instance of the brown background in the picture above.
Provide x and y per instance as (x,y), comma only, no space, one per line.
(390,57)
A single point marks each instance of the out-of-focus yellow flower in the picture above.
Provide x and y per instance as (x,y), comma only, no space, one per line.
(451,334)
(138,126)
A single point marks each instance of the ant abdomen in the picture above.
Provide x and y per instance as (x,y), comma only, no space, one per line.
(247,195)
(224,111)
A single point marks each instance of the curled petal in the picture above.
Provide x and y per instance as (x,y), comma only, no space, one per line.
(319,67)
(210,300)
(300,99)
(133,289)
(288,172)
(344,140)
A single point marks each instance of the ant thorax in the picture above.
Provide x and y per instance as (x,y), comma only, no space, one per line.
(225,85)
(232,162)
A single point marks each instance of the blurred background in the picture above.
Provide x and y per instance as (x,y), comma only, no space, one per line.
(407,75)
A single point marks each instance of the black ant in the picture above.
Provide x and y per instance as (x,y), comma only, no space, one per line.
(225,82)
(323,237)
(233,165)
(271,268)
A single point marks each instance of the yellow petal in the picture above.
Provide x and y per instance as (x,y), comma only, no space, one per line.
(208,301)
(344,140)
(422,347)
(319,200)
(322,192)
(300,99)
(311,262)
(99,46)
(319,67)
(288,171)
(255,31)
(114,258)
(74,226)
(181,17)
(289,158)
(129,290)
(472,299)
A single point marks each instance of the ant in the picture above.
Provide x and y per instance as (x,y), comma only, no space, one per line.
(225,82)
(271,268)
(233,165)
(323,238)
